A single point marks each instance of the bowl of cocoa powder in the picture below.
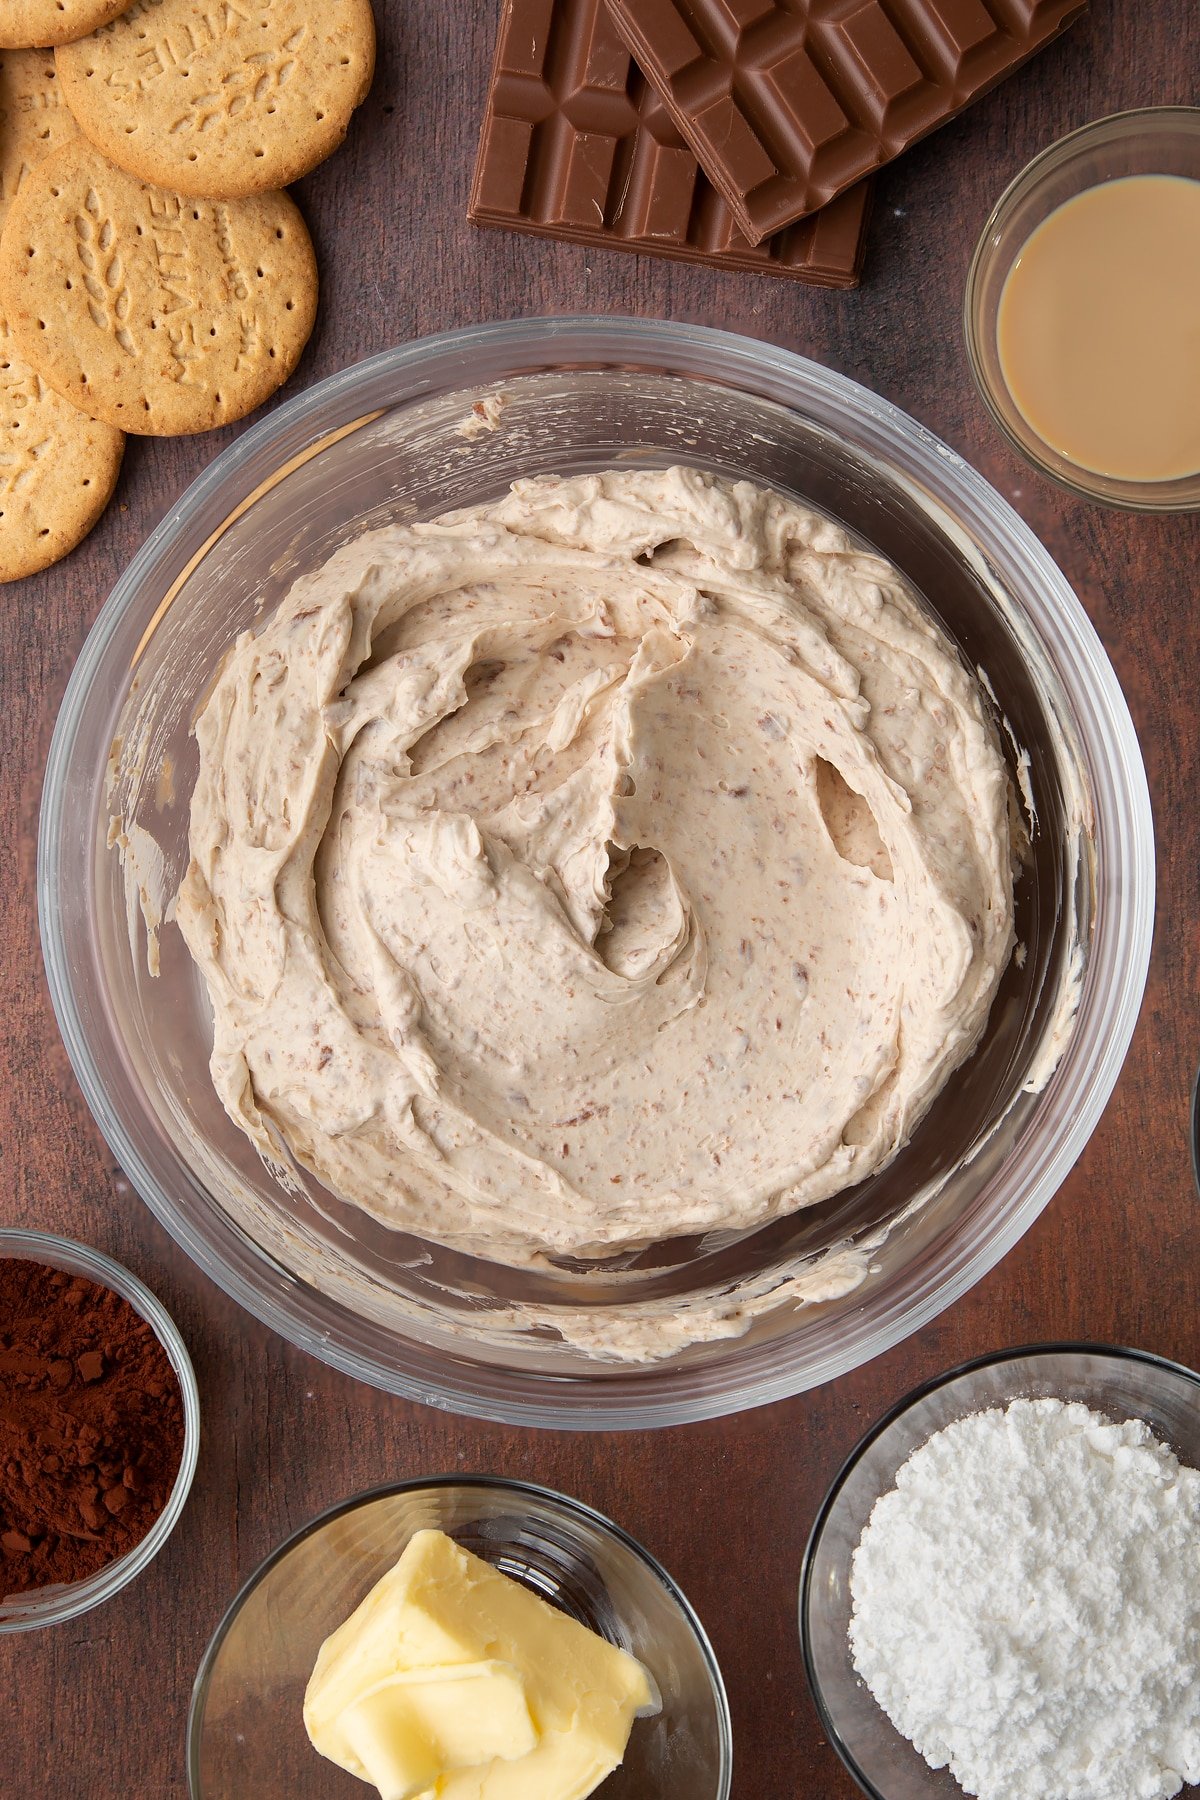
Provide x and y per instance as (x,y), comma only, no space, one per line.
(99,1428)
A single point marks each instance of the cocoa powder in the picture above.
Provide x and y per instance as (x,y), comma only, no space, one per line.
(91,1426)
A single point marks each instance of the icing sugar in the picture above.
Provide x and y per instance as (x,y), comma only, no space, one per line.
(1026,1606)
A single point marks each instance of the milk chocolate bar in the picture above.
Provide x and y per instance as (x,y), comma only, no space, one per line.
(786,103)
(577,145)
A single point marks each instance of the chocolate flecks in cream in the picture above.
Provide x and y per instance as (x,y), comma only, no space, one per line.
(625,858)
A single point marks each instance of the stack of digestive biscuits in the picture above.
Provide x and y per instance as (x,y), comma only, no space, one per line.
(154,277)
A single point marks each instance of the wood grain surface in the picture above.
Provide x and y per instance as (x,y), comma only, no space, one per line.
(98,1706)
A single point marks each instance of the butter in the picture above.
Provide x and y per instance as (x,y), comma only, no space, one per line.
(453,1682)
(411,1729)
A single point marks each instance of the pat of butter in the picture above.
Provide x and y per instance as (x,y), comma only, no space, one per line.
(417,1725)
(452,1680)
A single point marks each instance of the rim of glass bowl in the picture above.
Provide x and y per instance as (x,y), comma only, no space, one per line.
(659,1394)
(993,1359)
(1123,495)
(577,1509)
(54,1605)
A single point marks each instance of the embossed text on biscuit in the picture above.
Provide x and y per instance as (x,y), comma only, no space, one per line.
(160,55)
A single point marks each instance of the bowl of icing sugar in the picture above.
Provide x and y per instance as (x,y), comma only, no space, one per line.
(1001,1593)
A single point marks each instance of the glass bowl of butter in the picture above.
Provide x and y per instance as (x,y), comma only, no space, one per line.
(473,1637)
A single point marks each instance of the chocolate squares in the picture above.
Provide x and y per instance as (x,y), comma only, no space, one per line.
(577,145)
(786,103)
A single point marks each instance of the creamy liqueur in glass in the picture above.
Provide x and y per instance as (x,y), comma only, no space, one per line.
(1098,329)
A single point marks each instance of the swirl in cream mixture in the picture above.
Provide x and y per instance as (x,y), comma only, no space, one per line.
(624,858)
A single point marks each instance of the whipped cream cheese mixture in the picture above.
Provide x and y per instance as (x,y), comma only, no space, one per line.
(624,858)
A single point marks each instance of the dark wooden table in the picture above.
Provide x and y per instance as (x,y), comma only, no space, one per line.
(98,1706)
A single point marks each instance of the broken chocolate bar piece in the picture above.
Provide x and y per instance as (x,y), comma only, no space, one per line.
(576,145)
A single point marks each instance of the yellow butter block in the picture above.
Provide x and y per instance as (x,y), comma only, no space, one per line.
(453,1676)
(415,1726)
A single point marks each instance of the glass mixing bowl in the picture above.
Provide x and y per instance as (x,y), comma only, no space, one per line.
(245,1729)
(1122,1384)
(783,1308)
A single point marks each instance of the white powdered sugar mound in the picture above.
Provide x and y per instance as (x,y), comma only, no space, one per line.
(1026,1606)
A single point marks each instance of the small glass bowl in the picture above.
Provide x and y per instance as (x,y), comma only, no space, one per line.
(246,1731)
(1154,140)
(51,1605)
(1123,1384)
